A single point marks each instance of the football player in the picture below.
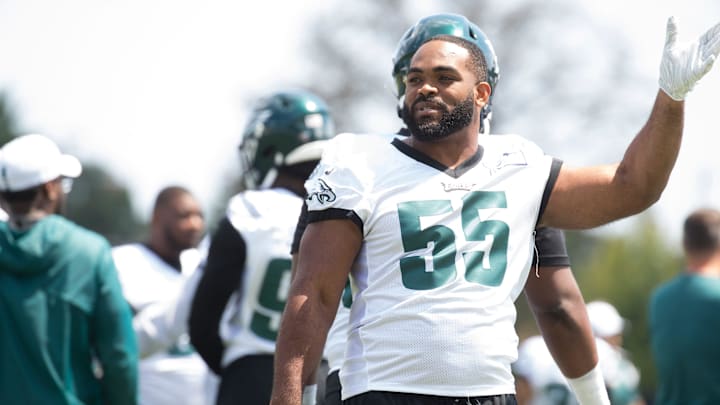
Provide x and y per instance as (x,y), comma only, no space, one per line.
(553,294)
(437,230)
(248,262)
(154,272)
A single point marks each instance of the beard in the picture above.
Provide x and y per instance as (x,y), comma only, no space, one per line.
(450,121)
(181,240)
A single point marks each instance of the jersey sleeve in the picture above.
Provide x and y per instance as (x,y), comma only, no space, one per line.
(299,229)
(221,276)
(337,185)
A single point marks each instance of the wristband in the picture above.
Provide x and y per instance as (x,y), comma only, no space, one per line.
(590,388)
(309,394)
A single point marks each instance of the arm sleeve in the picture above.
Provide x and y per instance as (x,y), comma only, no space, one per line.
(550,248)
(115,340)
(221,277)
(299,229)
(552,179)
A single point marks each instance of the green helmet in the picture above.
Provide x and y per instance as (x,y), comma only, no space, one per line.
(286,128)
(443,24)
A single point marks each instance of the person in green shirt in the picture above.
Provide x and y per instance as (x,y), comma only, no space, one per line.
(65,329)
(685,319)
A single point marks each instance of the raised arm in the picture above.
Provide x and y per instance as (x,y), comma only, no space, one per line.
(591,196)
(327,251)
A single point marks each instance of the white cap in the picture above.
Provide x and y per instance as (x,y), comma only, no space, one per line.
(605,319)
(32,160)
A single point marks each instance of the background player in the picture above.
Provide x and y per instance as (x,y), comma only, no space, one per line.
(248,263)
(155,272)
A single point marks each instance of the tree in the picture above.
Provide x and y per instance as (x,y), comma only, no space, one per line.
(549,68)
(99,203)
(7,120)
(624,271)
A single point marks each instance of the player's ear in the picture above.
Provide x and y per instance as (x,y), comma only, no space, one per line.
(482,94)
(52,190)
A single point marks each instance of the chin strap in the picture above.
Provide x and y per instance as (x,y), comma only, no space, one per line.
(485,118)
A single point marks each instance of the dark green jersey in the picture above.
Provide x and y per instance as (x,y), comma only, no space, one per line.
(65,330)
(684,327)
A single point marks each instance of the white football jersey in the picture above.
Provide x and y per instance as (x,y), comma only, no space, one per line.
(146,278)
(550,387)
(547,383)
(178,374)
(622,378)
(266,219)
(337,336)
(444,256)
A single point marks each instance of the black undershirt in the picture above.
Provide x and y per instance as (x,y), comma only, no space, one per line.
(222,275)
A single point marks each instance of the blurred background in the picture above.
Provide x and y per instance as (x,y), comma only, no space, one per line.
(152,93)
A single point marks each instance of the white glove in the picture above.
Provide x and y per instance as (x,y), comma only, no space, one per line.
(683,64)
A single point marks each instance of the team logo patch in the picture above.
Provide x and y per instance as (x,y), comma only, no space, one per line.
(514,158)
(457,186)
(321,192)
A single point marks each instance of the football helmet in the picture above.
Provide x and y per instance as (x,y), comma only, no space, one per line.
(285,128)
(443,24)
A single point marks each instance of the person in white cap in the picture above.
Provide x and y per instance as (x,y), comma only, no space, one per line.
(67,336)
(606,322)
(622,378)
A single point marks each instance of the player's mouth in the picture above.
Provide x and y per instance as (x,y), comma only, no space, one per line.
(428,107)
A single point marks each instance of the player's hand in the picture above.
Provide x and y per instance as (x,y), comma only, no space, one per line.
(683,64)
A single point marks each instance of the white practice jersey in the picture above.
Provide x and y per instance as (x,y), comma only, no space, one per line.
(550,387)
(444,256)
(338,334)
(178,374)
(536,365)
(266,219)
(162,323)
(622,378)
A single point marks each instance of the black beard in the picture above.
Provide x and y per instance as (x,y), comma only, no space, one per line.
(176,243)
(449,123)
